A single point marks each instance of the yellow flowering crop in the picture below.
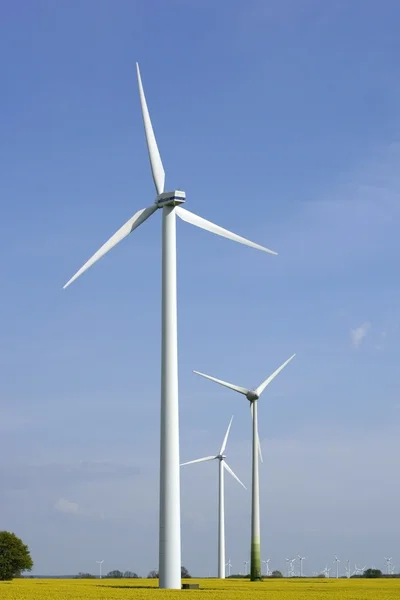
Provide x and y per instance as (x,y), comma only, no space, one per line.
(212,589)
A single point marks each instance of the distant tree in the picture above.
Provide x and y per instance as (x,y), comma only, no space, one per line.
(153,575)
(115,574)
(372,573)
(14,556)
(85,576)
(276,574)
(131,575)
(185,573)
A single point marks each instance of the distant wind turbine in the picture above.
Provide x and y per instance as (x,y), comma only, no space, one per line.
(388,565)
(252,396)
(348,569)
(170,205)
(326,571)
(221,502)
(301,558)
(229,565)
(337,561)
(100,562)
(266,563)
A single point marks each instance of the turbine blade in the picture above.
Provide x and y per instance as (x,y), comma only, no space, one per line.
(258,437)
(198,460)
(226,437)
(227,467)
(157,168)
(134,222)
(236,388)
(264,384)
(259,448)
(193,219)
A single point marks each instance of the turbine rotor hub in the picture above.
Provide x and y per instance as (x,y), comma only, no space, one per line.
(170,198)
(251,396)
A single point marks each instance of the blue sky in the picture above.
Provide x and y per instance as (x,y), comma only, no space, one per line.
(280,120)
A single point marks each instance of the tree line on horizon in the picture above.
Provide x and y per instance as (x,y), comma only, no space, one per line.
(117,574)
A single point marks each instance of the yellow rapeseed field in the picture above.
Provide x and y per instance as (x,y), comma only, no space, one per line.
(212,589)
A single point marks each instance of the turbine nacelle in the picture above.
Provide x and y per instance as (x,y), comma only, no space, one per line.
(251,396)
(170,198)
(221,456)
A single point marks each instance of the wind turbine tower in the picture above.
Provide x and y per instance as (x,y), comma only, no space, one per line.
(252,396)
(100,562)
(326,571)
(221,501)
(301,558)
(170,204)
(388,565)
(229,565)
(347,569)
(266,563)
(337,561)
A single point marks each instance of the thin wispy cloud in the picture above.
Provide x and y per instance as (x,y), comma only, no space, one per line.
(66,506)
(358,334)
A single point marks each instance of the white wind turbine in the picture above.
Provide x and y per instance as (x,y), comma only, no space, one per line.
(229,565)
(287,566)
(266,563)
(358,570)
(337,561)
(301,558)
(348,569)
(170,203)
(221,500)
(326,571)
(388,565)
(100,562)
(253,396)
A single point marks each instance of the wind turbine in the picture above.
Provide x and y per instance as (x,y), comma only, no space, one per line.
(347,569)
(388,565)
(287,566)
(326,571)
(266,563)
(246,564)
(100,562)
(229,565)
(337,561)
(358,571)
(301,558)
(221,502)
(252,396)
(170,203)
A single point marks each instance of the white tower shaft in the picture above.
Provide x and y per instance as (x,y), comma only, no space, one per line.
(221,523)
(255,567)
(169,541)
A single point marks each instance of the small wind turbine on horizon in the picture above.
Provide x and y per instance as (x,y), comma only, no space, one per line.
(301,558)
(100,562)
(221,500)
(170,205)
(326,571)
(358,570)
(229,565)
(266,563)
(337,561)
(252,396)
(348,569)
(389,565)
